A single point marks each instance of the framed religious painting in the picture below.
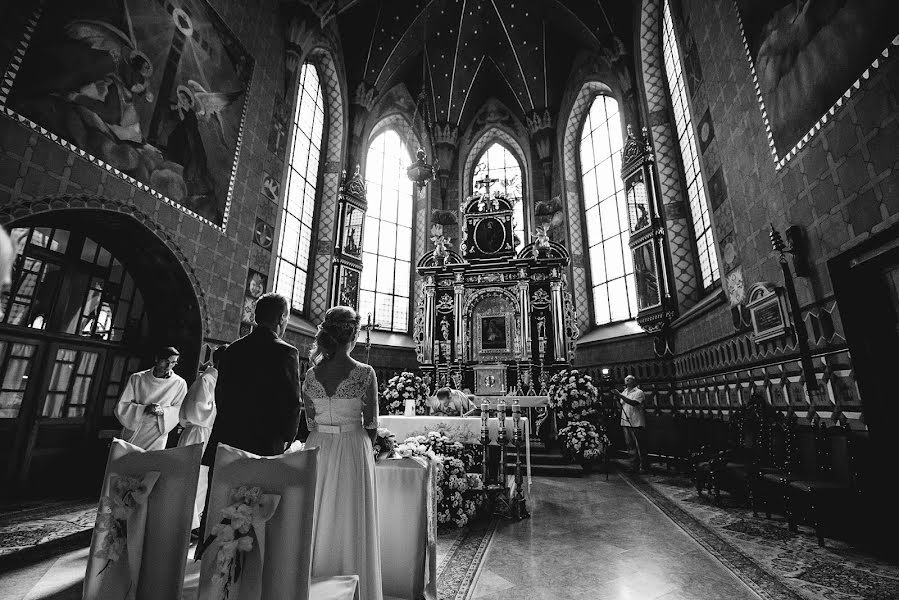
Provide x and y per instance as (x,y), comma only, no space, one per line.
(494,334)
(808,58)
(154,92)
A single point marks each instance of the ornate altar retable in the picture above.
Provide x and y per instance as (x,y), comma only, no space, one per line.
(491,319)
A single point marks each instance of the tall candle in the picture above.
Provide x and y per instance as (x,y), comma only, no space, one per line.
(501,410)
(516,411)
(485,408)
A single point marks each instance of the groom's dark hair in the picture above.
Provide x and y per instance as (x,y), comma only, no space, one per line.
(443,392)
(269,308)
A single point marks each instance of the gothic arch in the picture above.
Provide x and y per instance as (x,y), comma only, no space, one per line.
(573,203)
(484,141)
(667,155)
(334,93)
(132,235)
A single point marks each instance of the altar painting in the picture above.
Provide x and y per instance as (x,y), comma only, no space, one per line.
(808,57)
(156,91)
(493,333)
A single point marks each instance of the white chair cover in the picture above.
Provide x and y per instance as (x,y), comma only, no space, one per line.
(407,516)
(280,564)
(157,534)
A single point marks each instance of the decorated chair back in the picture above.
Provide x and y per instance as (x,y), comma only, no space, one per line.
(140,540)
(777,450)
(839,459)
(276,494)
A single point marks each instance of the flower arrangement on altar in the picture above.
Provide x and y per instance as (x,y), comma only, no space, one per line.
(402,387)
(458,491)
(583,442)
(125,494)
(385,442)
(573,397)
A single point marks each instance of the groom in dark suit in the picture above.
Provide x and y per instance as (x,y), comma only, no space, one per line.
(258,390)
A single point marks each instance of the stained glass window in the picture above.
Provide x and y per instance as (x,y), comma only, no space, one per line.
(498,163)
(699,206)
(611,263)
(299,197)
(387,243)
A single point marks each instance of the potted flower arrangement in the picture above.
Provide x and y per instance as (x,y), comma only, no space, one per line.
(402,387)
(573,397)
(583,443)
(458,492)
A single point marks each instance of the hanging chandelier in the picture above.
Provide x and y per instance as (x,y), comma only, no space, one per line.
(421,171)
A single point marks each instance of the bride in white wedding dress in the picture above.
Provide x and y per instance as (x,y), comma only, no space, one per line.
(341,398)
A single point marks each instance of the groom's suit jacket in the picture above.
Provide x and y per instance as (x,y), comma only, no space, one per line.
(257,395)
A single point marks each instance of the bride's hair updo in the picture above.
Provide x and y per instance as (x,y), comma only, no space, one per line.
(341,326)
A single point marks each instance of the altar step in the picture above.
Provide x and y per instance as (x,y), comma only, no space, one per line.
(546,463)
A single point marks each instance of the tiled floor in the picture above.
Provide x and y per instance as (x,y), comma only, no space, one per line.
(587,538)
(597,539)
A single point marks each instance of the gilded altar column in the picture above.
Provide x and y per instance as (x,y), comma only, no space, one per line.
(429,321)
(459,294)
(559,350)
(524,305)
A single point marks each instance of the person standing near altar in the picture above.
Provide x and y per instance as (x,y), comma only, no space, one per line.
(341,398)
(197,417)
(257,393)
(148,408)
(633,421)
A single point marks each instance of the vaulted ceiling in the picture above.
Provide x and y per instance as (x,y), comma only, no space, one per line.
(465,51)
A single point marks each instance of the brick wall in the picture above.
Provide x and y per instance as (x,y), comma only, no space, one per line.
(841,188)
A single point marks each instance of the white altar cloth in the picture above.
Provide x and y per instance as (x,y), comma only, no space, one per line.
(460,429)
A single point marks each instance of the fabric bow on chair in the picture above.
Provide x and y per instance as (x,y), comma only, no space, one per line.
(142,531)
(278,493)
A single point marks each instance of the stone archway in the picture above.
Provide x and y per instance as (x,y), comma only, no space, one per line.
(144,292)
(95,215)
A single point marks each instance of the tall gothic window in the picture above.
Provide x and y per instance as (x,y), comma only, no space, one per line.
(611,264)
(498,163)
(387,243)
(302,179)
(699,206)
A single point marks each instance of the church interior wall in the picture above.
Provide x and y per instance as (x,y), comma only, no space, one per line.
(839,188)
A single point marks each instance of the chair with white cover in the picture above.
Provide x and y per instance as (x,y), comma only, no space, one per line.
(276,561)
(140,540)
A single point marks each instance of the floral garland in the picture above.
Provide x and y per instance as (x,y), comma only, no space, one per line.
(458,492)
(583,442)
(234,536)
(573,397)
(385,442)
(125,494)
(406,386)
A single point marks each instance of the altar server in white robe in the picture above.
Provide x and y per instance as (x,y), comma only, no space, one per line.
(197,417)
(149,407)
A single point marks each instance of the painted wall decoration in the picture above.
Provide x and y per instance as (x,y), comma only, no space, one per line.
(154,91)
(807,57)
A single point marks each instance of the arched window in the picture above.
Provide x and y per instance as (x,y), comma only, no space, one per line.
(387,243)
(498,163)
(683,121)
(611,264)
(299,199)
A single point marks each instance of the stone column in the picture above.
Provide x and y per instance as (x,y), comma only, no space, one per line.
(458,299)
(559,350)
(360,107)
(524,306)
(429,318)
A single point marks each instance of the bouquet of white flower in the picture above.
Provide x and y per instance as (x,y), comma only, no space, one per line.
(458,492)
(583,442)
(573,397)
(385,442)
(406,386)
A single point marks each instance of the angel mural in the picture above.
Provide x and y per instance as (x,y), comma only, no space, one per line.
(157,94)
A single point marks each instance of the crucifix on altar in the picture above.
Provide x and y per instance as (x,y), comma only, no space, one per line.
(367,329)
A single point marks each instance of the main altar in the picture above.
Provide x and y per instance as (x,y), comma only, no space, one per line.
(492,318)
